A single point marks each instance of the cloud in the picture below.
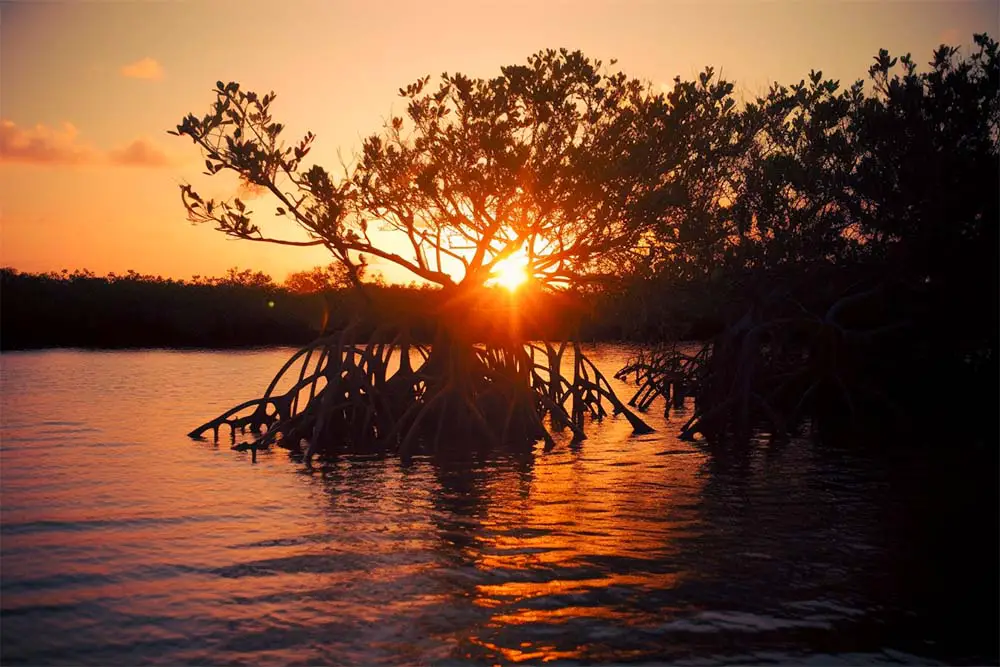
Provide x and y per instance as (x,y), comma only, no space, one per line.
(146,68)
(43,145)
(60,146)
(139,153)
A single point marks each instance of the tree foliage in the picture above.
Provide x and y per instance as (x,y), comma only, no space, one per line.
(333,276)
(840,175)
(556,159)
(854,254)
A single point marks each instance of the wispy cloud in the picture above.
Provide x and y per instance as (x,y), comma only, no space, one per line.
(146,68)
(61,146)
(43,145)
(139,153)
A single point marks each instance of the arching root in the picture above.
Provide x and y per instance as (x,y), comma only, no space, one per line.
(399,396)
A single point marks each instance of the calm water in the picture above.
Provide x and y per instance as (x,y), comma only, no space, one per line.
(124,542)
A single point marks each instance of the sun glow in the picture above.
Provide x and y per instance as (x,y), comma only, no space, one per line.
(511,272)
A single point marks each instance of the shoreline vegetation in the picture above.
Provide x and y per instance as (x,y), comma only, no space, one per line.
(80,309)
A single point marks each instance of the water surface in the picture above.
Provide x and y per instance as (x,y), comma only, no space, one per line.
(124,542)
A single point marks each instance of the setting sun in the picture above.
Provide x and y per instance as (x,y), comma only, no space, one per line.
(510,273)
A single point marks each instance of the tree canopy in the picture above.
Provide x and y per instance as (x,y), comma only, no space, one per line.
(321,279)
(556,160)
(584,173)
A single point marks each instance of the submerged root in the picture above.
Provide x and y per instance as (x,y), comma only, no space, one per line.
(665,371)
(400,396)
(773,370)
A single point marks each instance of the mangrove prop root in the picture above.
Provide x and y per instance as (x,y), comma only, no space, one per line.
(335,394)
(776,368)
(665,371)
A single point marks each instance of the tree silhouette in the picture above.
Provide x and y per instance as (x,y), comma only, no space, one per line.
(840,215)
(321,279)
(856,247)
(554,160)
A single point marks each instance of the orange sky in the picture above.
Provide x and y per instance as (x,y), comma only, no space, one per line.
(88,177)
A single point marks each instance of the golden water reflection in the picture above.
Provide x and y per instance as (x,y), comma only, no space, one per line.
(124,542)
(579,539)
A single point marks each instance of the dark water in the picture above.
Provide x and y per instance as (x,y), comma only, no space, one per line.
(123,542)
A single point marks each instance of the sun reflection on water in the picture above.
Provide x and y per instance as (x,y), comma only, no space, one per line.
(124,542)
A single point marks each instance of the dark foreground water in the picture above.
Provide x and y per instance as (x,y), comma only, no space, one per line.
(123,542)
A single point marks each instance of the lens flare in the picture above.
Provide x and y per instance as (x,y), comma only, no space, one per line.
(510,273)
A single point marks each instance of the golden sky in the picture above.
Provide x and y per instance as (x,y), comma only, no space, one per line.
(88,175)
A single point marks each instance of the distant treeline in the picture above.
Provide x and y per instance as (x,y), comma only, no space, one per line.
(247,308)
(81,309)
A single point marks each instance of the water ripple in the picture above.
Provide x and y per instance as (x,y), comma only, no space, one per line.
(125,543)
